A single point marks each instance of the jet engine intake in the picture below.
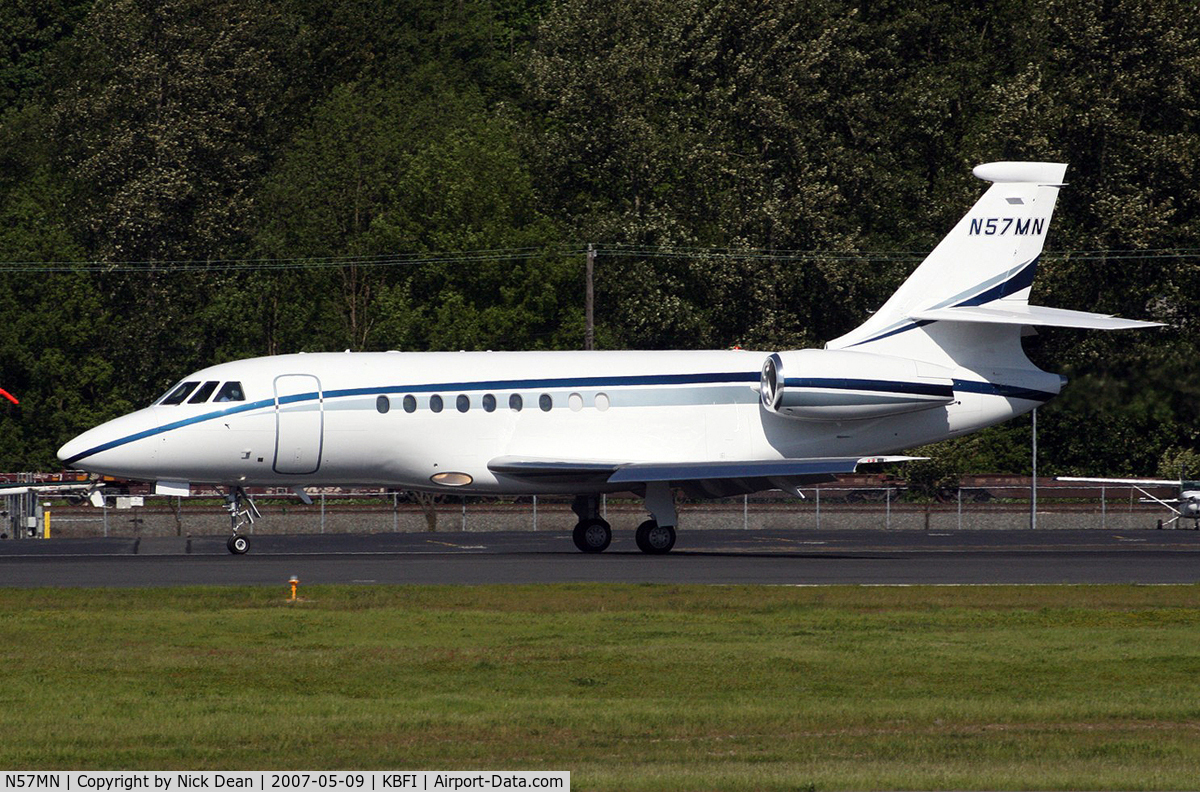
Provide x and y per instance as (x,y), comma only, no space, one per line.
(837,385)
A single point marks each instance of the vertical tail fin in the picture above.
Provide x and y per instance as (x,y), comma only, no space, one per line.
(989,258)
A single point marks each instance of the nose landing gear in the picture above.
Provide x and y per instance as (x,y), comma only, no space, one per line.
(242,513)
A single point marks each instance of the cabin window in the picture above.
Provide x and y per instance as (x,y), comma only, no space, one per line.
(180,393)
(601,401)
(463,402)
(410,403)
(435,403)
(515,403)
(205,391)
(575,402)
(489,402)
(545,402)
(230,391)
(383,404)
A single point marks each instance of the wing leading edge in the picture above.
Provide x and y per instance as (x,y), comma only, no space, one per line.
(696,479)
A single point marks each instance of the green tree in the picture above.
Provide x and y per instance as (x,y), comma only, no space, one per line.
(166,113)
(384,172)
(29,32)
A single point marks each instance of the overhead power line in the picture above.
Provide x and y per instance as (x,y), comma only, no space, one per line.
(615,250)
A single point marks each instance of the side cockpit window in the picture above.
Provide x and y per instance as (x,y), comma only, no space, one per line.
(204,392)
(230,391)
(181,392)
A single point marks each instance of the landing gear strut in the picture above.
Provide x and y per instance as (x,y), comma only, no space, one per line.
(242,513)
(657,535)
(592,533)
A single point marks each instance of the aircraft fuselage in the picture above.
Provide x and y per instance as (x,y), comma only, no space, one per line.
(401,419)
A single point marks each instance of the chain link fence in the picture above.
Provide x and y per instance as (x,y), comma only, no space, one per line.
(827,507)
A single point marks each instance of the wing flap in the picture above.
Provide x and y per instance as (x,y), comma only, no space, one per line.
(703,479)
(681,472)
(552,471)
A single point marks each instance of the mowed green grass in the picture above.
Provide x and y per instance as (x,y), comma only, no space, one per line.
(628,687)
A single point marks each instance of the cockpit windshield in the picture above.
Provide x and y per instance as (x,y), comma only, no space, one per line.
(230,391)
(181,392)
(204,392)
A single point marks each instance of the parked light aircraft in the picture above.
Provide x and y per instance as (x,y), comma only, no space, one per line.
(941,358)
(1188,501)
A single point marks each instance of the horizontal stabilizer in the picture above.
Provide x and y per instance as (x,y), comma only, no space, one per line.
(1020,314)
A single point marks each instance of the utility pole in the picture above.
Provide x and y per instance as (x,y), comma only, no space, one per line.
(1033,481)
(589,333)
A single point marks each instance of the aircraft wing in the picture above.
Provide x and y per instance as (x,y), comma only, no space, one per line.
(1129,481)
(709,479)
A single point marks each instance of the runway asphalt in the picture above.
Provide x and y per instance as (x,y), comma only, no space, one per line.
(801,557)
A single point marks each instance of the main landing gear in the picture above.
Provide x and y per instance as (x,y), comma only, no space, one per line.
(592,533)
(655,536)
(242,513)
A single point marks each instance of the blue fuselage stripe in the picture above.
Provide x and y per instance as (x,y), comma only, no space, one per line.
(1005,391)
(881,386)
(557,383)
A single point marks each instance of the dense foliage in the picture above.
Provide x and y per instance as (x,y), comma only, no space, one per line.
(184,182)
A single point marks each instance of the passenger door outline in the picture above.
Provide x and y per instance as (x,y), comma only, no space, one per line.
(299,424)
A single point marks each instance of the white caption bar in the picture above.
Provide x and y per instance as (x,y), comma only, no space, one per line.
(269,781)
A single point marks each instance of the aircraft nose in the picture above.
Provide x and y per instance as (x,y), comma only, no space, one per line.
(83,448)
(70,449)
(112,447)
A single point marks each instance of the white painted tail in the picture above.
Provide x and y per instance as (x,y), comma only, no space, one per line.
(965,304)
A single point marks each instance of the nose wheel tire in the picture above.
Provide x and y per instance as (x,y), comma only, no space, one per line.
(655,539)
(592,535)
(238,545)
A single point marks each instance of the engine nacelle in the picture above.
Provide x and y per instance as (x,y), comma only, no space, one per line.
(838,385)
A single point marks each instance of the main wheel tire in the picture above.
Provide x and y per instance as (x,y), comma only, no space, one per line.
(238,545)
(592,536)
(655,539)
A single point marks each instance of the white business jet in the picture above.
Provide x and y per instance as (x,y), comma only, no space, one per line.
(941,358)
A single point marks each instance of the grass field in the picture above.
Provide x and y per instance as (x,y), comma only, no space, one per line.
(628,687)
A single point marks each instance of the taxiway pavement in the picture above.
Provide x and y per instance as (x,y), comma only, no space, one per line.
(800,557)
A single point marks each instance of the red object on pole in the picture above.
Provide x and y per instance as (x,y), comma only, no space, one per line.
(9,396)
